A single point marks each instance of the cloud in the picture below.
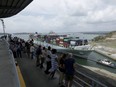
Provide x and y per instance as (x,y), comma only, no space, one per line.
(64,15)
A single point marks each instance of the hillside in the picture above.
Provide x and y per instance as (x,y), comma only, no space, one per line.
(108,36)
(108,40)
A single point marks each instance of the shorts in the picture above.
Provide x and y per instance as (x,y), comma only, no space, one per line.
(69,77)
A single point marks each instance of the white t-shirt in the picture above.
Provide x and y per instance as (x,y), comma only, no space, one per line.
(32,49)
(48,53)
(44,53)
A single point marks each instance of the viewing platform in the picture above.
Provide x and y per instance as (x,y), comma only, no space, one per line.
(26,74)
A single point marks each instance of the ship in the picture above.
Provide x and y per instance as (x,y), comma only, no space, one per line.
(63,40)
(106,62)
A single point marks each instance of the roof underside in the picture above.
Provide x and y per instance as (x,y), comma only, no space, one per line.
(12,7)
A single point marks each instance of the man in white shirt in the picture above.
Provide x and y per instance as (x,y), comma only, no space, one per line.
(32,49)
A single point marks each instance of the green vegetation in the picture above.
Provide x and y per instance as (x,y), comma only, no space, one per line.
(103,38)
(99,38)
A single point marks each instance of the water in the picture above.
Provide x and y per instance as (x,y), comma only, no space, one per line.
(92,58)
(23,36)
(80,35)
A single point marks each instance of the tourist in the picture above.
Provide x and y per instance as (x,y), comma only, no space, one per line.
(27,46)
(69,65)
(31,42)
(61,68)
(38,53)
(14,50)
(32,49)
(43,56)
(19,54)
(48,60)
(54,63)
(23,46)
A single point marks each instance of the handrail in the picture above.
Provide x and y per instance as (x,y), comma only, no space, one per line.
(89,78)
(78,83)
(82,81)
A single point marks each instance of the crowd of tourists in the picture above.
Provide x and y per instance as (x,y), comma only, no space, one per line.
(65,64)
(18,46)
(46,58)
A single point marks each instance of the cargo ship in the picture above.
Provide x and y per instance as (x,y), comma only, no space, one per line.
(63,40)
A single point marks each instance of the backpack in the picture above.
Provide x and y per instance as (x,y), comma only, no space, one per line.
(38,51)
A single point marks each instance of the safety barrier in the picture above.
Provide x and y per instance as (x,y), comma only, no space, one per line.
(83,80)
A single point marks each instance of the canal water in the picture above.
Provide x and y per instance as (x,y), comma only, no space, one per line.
(89,59)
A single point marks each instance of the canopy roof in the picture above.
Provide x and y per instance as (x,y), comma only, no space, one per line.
(12,7)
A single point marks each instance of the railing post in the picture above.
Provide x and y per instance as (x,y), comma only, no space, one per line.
(93,83)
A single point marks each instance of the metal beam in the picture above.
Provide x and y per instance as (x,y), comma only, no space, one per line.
(12,7)
(9,7)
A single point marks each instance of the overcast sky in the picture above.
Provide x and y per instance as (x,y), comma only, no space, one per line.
(64,16)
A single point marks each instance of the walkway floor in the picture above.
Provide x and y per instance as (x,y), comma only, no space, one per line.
(33,76)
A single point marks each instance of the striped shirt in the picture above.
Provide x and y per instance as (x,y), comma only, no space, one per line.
(54,63)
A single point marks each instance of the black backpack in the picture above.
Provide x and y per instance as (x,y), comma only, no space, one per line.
(38,51)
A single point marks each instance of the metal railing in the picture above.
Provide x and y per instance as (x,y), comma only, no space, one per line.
(83,80)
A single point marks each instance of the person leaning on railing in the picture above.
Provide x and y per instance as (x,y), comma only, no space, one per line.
(69,65)
(54,63)
(61,68)
(38,53)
